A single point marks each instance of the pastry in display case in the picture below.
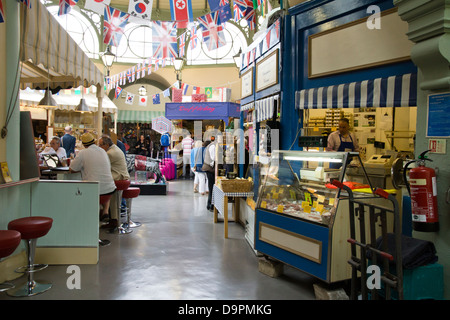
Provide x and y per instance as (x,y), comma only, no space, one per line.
(298,184)
(301,218)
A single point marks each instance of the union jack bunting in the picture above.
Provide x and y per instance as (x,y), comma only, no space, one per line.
(193,37)
(238,14)
(156,64)
(2,14)
(164,40)
(182,45)
(113,25)
(129,75)
(26,2)
(250,16)
(212,33)
(64,6)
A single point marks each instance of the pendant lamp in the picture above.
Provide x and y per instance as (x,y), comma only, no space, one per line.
(82,106)
(47,101)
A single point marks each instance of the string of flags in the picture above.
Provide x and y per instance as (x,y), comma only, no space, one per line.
(164,32)
(177,93)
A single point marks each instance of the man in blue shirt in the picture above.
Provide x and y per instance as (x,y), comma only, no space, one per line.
(68,141)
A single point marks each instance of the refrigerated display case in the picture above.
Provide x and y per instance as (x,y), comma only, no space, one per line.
(301,218)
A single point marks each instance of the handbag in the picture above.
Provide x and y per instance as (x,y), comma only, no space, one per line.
(199,160)
(207,167)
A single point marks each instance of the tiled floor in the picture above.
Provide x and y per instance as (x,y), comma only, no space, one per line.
(178,253)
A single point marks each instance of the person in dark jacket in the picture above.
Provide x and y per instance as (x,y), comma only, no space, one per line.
(68,141)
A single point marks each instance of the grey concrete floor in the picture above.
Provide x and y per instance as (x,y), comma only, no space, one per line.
(177,254)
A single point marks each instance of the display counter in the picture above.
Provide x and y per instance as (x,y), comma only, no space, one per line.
(301,219)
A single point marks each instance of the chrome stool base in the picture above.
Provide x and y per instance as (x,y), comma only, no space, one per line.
(5,286)
(31,288)
(31,268)
(124,229)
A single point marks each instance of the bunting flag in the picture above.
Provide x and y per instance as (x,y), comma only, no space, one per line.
(114,25)
(156,99)
(140,9)
(181,10)
(184,88)
(212,33)
(130,98)
(98,6)
(149,63)
(64,6)
(238,13)
(224,13)
(182,45)
(193,37)
(143,101)
(129,75)
(181,24)
(250,16)
(156,64)
(214,5)
(196,90)
(27,3)
(164,40)
(166,92)
(209,92)
(2,14)
(118,92)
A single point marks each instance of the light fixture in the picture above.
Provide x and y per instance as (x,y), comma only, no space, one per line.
(47,101)
(317,159)
(178,65)
(237,59)
(108,58)
(82,106)
(142,91)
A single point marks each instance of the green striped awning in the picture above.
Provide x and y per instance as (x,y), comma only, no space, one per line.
(135,116)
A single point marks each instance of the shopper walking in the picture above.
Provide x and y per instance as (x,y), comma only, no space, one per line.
(197,158)
(187,144)
(208,167)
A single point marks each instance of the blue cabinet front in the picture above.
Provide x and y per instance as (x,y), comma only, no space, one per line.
(295,242)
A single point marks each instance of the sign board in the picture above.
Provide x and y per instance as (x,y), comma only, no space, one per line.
(438,115)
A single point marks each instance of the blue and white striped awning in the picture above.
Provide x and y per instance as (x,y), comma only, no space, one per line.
(395,91)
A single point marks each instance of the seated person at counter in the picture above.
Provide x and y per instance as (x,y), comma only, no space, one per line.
(68,141)
(342,140)
(55,148)
(118,171)
(94,164)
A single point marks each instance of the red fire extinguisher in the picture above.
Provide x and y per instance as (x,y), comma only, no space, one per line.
(423,192)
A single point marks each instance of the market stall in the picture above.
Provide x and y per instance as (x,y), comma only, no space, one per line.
(50,60)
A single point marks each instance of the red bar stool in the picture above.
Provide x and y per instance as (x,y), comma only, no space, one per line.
(104,198)
(31,228)
(128,195)
(9,241)
(121,185)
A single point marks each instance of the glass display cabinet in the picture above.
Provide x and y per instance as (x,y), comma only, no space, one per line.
(301,218)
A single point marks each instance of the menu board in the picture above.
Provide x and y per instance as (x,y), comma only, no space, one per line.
(438,115)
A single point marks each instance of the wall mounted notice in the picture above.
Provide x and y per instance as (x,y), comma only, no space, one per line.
(438,117)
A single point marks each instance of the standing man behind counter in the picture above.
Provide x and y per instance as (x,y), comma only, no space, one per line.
(342,140)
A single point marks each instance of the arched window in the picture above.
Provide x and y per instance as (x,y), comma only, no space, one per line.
(136,42)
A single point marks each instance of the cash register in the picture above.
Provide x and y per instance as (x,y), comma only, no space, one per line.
(380,164)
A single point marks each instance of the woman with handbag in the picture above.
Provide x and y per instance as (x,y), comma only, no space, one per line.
(200,180)
(208,167)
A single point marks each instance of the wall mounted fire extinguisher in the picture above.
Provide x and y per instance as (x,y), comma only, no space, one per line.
(423,192)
